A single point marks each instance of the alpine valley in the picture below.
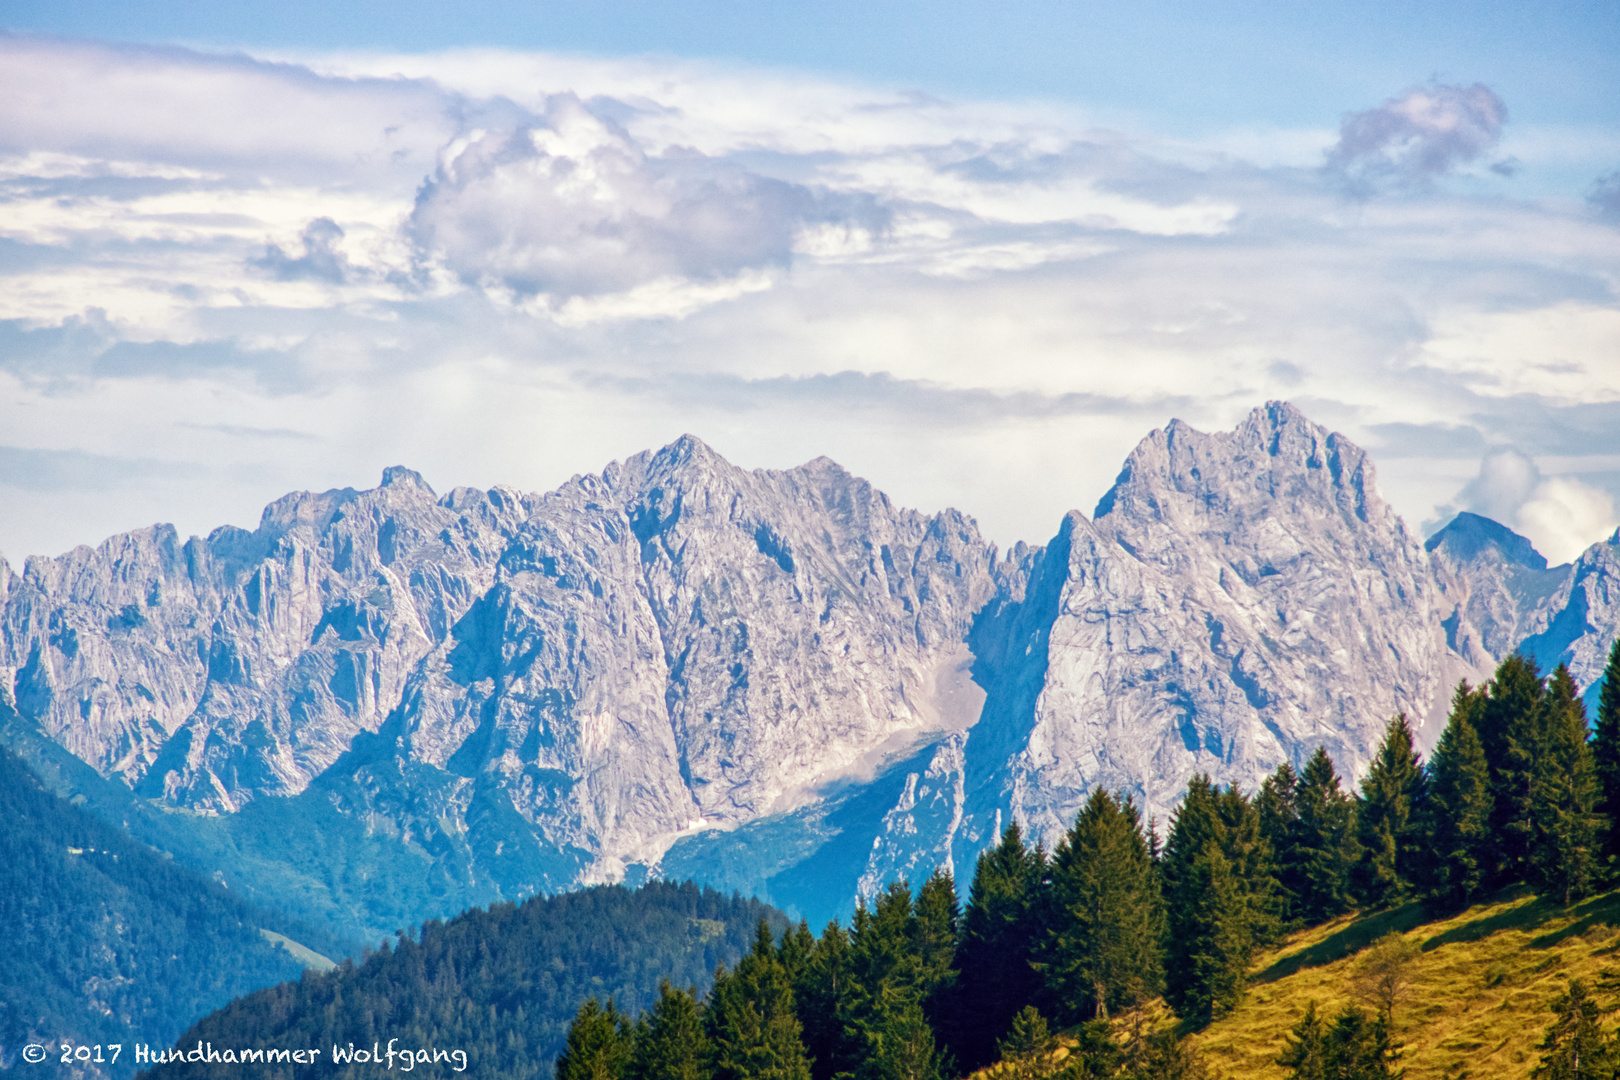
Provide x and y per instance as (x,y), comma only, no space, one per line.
(385,706)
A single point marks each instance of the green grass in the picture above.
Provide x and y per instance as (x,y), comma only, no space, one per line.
(1480,991)
(1477,1004)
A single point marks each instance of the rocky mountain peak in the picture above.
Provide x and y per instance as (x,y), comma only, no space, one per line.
(1257,499)
(400,475)
(1468,535)
(1239,599)
(1504,584)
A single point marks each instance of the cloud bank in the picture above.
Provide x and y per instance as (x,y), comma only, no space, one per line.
(508,267)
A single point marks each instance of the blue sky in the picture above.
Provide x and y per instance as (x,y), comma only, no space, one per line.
(972,251)
(1187,66)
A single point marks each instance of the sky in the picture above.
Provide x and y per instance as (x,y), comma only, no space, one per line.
(972,252)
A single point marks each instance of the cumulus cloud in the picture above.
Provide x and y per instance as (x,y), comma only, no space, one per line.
(570,206)
(1561,515)
(1564,517)
(1506,481)
(1424,134)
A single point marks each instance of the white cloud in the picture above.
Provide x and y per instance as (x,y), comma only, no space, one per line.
(1425,133)
(1561,515)
(1568,350)
(1604,194)
(570,206)
(1565,516)
(505,267)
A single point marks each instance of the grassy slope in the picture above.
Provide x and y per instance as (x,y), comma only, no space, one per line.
(1480,990)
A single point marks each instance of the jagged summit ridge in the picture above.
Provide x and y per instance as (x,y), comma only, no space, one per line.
(676,654)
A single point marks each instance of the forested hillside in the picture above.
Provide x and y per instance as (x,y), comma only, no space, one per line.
(499,984)
(106,941)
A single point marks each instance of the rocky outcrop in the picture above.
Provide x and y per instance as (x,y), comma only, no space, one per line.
(1576,623)
(1567,614)
(679,644)
(1506,581)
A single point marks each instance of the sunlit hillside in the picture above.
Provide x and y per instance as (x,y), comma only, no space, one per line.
(1477,1003)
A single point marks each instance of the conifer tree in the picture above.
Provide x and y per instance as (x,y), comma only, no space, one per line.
(1306,1049)
(1278,807)
(1162,1056)
(1457,811)
(1565,791)
(934,934)
(1606,757)
(1575,1047)
(795,950)
(1245,846)
(899,1044)
(886,1033)
(670,1043)
(599,1044)
(1356,1047)
(1509,731)
(882,941)
(1101,950)
(1209,937)
(1387,824)
(819,991)
(751,1022)
(1095,1055)
(1028,1045)
(1322,849)
(994,977)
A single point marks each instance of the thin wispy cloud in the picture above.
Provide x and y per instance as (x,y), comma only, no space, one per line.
(75,470)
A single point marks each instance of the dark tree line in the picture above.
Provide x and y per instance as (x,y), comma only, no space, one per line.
(499,984)
(1518,790)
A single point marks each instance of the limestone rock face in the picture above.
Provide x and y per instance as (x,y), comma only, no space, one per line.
(1238,600)
(1577,621)
(678,643)
(219,670)
(1506,580)
(1567,614)
(774,680)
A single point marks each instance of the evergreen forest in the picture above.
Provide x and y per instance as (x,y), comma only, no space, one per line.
(499,984)
(106,940)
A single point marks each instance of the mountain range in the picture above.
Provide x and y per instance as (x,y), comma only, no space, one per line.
(382,706)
